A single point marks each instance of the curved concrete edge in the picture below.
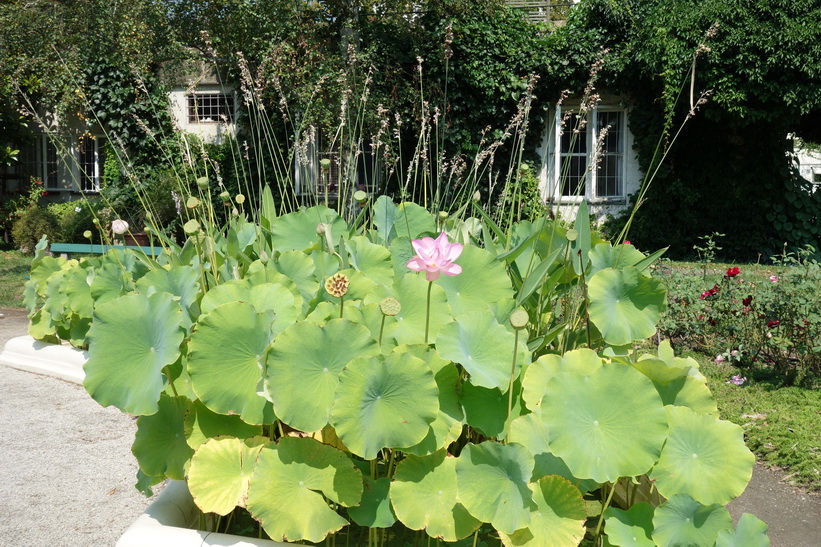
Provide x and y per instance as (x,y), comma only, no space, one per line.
(60,361)
(167,522)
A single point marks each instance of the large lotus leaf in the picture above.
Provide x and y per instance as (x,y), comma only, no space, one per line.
(374,511)
(181,282)
(299,268)
(283,300)
(666,354)
(558,518)
(604,255)
(384,217)
(529,431)
(447,426)
(359,287)
(482,282)
(683,521)
(492,480)
(411,292)
(42,327)
(689,392)
(110,281)
(42,270)
(750,532)
(657,370)
(703,457)
(56,301)
(631,528)
(486,409)
(374,261)
(159,444)
(304,365)
(384,401)
(226,356)
(484,348)
(425,496)
(220,472)
(538,374)
(78,291)
(401,252)
(605,435)
(297,231)
(288,485)
(132,338)
(624,305)
(412,221)
(202,424)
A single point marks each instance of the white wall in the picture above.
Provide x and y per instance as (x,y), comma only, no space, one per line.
(210,132)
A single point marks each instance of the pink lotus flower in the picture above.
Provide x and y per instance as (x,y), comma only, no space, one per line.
(435,256)
(119,226)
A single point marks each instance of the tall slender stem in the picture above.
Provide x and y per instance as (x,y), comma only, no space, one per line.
(510,386)
(427,315)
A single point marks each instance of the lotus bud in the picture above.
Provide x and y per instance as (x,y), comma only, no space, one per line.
(477,196)
(240,199)
(119,226)
(202,183)
(337,285)
(320,229)
(192,202)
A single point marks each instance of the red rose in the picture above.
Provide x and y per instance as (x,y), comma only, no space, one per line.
(773,324)
(747,301)
(732,272)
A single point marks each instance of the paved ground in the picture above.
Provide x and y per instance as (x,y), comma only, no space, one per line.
(67,473)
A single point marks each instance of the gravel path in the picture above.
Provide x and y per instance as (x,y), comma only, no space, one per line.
(66,469)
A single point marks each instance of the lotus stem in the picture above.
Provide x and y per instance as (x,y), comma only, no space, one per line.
(427,315)
(475,537)
(381,328)
(510,386)
(341,305)
(170,381)
(603,509)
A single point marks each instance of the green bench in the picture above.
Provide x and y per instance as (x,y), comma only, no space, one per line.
(66,249)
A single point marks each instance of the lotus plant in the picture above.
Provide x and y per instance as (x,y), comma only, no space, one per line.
(529,396)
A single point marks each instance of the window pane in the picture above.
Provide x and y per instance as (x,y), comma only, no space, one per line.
(210,108)
(608,176)
(91,163)
(574,135)
(613,140)
(573,175)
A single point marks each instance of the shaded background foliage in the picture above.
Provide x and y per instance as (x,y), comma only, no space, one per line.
(730,170)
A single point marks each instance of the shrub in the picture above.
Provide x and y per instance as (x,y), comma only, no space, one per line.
(74,218)
(31,226)
(769,324)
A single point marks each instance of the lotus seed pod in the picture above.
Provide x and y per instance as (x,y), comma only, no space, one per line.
(240,199)
(524,168)
(572,235)
(191,227)
(147,229)
(443,215)
(337,284)
(202,183)
(87,234)
(361,197)
(519,319)
(325,163)
(390,306)
(225,196)
(192,202)
(96,222)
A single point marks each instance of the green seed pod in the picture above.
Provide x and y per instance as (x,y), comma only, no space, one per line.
(519,319)
(202,183)
(390,306)
(191,227)
(87,234)
(192,202)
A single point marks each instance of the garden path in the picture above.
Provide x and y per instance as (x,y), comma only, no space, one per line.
(67,473)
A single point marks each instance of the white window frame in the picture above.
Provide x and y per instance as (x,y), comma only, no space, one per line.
(95,174)
(194,117)
(591,134)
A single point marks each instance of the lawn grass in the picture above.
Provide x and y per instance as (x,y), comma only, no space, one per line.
(14,270)
(782,424)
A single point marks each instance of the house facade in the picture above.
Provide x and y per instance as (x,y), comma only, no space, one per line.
(587,155)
